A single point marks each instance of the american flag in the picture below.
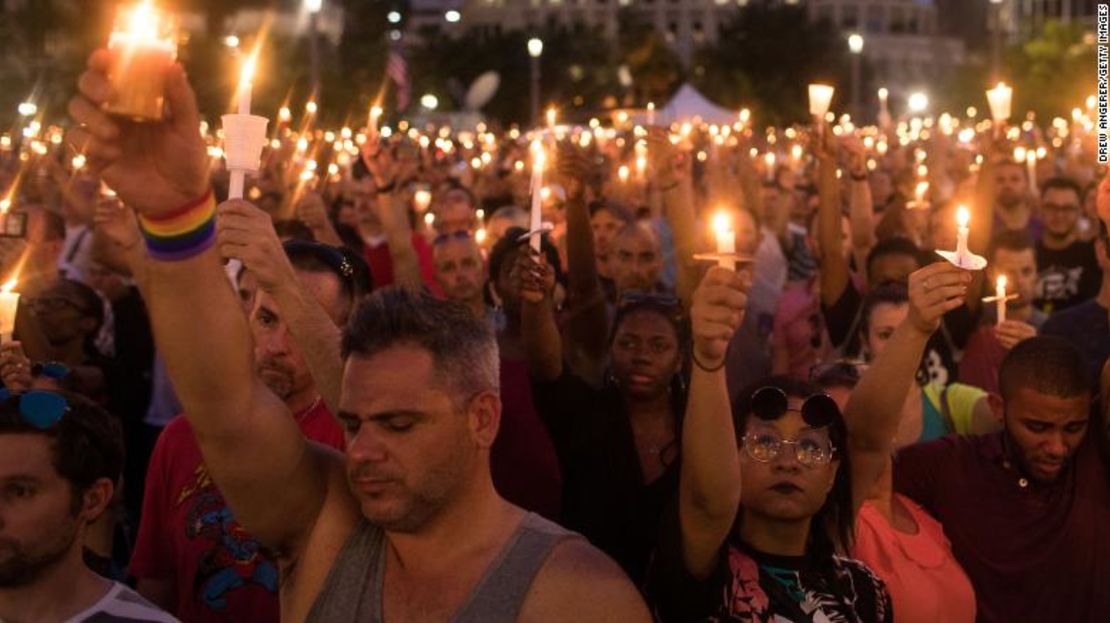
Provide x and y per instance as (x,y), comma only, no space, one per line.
(398,71)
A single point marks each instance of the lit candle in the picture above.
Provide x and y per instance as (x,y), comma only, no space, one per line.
(375,117)
(962,219)
(144,45)
(769,160)
(1031,166)
(622,174)
(651,113)
(480,236)
(820,97)
(422,199)
(726,240)
(1000,297)
(9,302)
(536,223)
(246,85)
(919,193)
(551,118)
(1000,99)
(641,166)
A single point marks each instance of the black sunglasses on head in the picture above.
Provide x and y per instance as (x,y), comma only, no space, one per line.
(771,403)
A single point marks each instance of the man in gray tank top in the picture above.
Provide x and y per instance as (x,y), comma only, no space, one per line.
(407,526)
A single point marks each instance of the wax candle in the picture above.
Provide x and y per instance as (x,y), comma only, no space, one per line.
(536,223)
(622,174)
(9,302)
(769,160)
(1031,166)
(1000,298)
(422,199)
(962,219)
(375,118)
(820,97)
(143,43)
(919,193)
(726,240)
(1000,99)
(651,113)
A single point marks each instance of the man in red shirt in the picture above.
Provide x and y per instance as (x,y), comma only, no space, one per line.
(192,557)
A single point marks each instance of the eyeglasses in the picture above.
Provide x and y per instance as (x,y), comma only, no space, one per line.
(770,403)
(39,408)
(810,449)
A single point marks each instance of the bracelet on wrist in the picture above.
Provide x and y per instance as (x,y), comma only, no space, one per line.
(183,233)
(703,367)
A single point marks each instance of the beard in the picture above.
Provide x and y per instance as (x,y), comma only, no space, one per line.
(277,375)
(20,566)
(1008,199)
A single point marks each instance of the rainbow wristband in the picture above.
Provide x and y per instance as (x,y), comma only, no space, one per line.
(184,233)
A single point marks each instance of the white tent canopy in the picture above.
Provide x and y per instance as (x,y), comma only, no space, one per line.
(688,103)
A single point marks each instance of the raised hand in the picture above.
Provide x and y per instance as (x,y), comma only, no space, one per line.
(246,233)
(934,291)
(116,221)
(1012,332)
(533,276)
(155,168)
(718,308)
(575,168)
(15,367)
(312,211)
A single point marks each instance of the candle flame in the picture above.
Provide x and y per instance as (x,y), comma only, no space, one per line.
(143,21)
(1000,284)
(247,75)
(922,188)
(722,224)
(9,286)
(1031,156)
(480,236)
(963,216)
(622,173)
(551,116)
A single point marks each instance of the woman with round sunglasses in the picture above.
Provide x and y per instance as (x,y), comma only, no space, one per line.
(765,500)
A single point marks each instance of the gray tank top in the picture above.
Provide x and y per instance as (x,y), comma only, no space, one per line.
(352,592)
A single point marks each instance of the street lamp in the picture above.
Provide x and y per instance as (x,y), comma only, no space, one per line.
(855,46)
(313,7)
(535,50)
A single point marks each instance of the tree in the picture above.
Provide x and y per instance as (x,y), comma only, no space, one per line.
(765,57)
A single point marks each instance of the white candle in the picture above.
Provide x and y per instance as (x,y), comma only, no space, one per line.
(726,239)
(962,218)
(1000,297)
(537,199)
(820,97)
(1031,165)
(422,199)
(9,302)
(375,117)
(1000,99)
(651,113)
(769,160)
(622,174)
(246,85)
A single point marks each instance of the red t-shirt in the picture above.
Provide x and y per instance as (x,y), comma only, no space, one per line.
(381,264)
(1033,552)
(189,537)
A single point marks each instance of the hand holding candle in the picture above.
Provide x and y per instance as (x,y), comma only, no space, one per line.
(244,134)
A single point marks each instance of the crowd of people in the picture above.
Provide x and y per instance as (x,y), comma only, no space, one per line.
(365,393)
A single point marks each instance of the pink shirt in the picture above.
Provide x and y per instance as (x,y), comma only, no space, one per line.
(925,582)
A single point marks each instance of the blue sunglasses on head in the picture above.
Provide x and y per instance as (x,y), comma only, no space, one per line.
(39,408)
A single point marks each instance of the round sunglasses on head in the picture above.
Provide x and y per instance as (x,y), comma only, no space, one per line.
(771,403)
(39,408)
